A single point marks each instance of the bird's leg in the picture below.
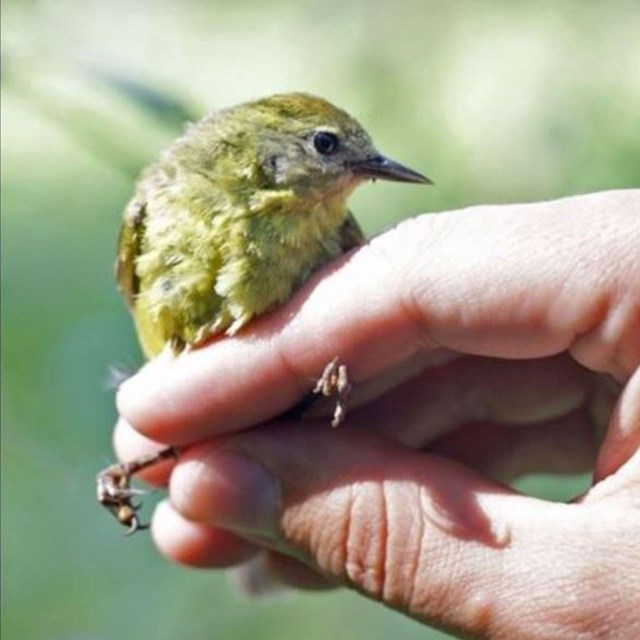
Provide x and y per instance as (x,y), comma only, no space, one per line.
(115,492)
(334,381)
(114,489)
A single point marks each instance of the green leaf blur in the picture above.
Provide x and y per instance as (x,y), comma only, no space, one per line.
(496,101)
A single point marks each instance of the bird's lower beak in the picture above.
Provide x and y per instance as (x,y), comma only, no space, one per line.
(383,168)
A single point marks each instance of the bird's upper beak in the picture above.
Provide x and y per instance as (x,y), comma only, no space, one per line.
(383,168)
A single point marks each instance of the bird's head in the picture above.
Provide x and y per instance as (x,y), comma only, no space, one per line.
(306,144)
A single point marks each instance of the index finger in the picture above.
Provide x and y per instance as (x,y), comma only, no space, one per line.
(511,281)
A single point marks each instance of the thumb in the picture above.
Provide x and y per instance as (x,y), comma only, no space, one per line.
(418,532)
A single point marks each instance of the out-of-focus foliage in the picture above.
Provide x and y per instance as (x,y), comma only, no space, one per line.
(496,101)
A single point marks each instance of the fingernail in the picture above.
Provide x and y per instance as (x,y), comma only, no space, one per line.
(228,490)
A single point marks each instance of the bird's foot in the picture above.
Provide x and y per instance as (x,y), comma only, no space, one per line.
(116,494)
(334,381)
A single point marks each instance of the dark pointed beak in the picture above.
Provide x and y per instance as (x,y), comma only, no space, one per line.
(381,168)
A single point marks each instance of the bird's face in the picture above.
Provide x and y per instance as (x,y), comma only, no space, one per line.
(312,147)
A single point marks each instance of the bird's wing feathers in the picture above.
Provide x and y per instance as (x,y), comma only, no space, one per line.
(129,247)
(351,234)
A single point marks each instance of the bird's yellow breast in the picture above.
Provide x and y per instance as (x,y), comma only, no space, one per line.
(206,272)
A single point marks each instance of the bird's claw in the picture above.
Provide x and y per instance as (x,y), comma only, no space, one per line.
(115,493)
(334,381)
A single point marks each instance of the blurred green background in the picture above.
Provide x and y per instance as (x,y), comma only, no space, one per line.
(496,101)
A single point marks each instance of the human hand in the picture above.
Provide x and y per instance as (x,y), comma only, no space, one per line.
(484,344)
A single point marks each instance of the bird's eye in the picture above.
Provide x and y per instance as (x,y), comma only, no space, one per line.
(325,142)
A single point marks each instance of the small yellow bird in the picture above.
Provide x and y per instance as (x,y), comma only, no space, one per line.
(236,214)
(240,211)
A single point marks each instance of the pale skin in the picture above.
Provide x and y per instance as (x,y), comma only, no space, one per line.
(507,339)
